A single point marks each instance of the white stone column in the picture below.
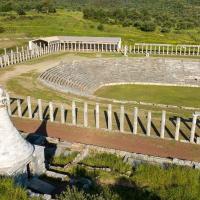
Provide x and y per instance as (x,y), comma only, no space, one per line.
(73,113)
(110,117)
(51,112)
(148,123)
(40,114)
(29,107)
(163,122)
(19,108)
(178,123)
(85,117)
(97,115)
(194,121)
(62,114)
(8,104)
(135,120)
(122,118)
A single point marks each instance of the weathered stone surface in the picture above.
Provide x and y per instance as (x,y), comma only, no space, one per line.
(15,152)
(41,186)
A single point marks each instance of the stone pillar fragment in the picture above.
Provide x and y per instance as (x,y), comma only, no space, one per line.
(148,124)
(73,113)
(122,118)
(178,123)
(194,121)
(85,113)
(19,108)
(40,114)
(62,114)
(29,107)
(135,120)
(163,122)
(51,112)
(110,117)
(97,115)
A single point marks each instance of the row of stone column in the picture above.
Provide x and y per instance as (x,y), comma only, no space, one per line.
(183,50)
(97,117)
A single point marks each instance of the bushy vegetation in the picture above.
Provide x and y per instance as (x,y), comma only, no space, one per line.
(63,160)
(114,162)
(74,193)
(145,15)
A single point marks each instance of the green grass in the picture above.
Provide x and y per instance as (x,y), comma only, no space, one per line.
(171,95)
(9,190)
(63,160)
(72,23)
(114,162)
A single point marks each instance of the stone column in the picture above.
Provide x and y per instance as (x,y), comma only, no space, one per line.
(158,49)
(19,108)
(17,50)
(8,104)
(62,114)
(194,121)
(51,111)
(148,124)
(110,117)
(97,115)
(122,118)
(135,120)
(1,62)
(178,123)
(163,122)
(85,123)
(29,107)
(40,114)
(11,55)
(73,113)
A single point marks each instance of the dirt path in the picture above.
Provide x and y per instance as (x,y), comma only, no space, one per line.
(125,142)
(40,66)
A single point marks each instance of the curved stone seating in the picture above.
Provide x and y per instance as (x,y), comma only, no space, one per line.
(84,77)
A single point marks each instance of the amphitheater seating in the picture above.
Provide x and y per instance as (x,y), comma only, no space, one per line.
(84,77)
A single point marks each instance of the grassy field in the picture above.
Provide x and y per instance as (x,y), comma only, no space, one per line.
(21,28)
(180,96)
(146,181)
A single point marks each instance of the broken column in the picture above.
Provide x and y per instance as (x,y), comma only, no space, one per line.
(163,121)
(135,119)
(178,123)
(122,118)
(148,123)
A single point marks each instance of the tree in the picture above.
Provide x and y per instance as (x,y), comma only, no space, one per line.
(148,26)
(2,29)
(21,11)
(100,27)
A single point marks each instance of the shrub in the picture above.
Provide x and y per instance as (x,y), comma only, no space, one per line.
(165,30)
(126,23)
(148,26)
(74,193)
(21,11)
(2,29)
(100,27)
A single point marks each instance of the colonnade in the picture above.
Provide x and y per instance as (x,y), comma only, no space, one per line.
(23,54)
(165,49)
(109,121)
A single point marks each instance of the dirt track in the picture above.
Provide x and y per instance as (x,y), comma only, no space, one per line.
(129,143)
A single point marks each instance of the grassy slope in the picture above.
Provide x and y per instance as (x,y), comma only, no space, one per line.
(72,23)
(181,96)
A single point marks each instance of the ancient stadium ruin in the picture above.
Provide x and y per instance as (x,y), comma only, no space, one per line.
(84,77)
